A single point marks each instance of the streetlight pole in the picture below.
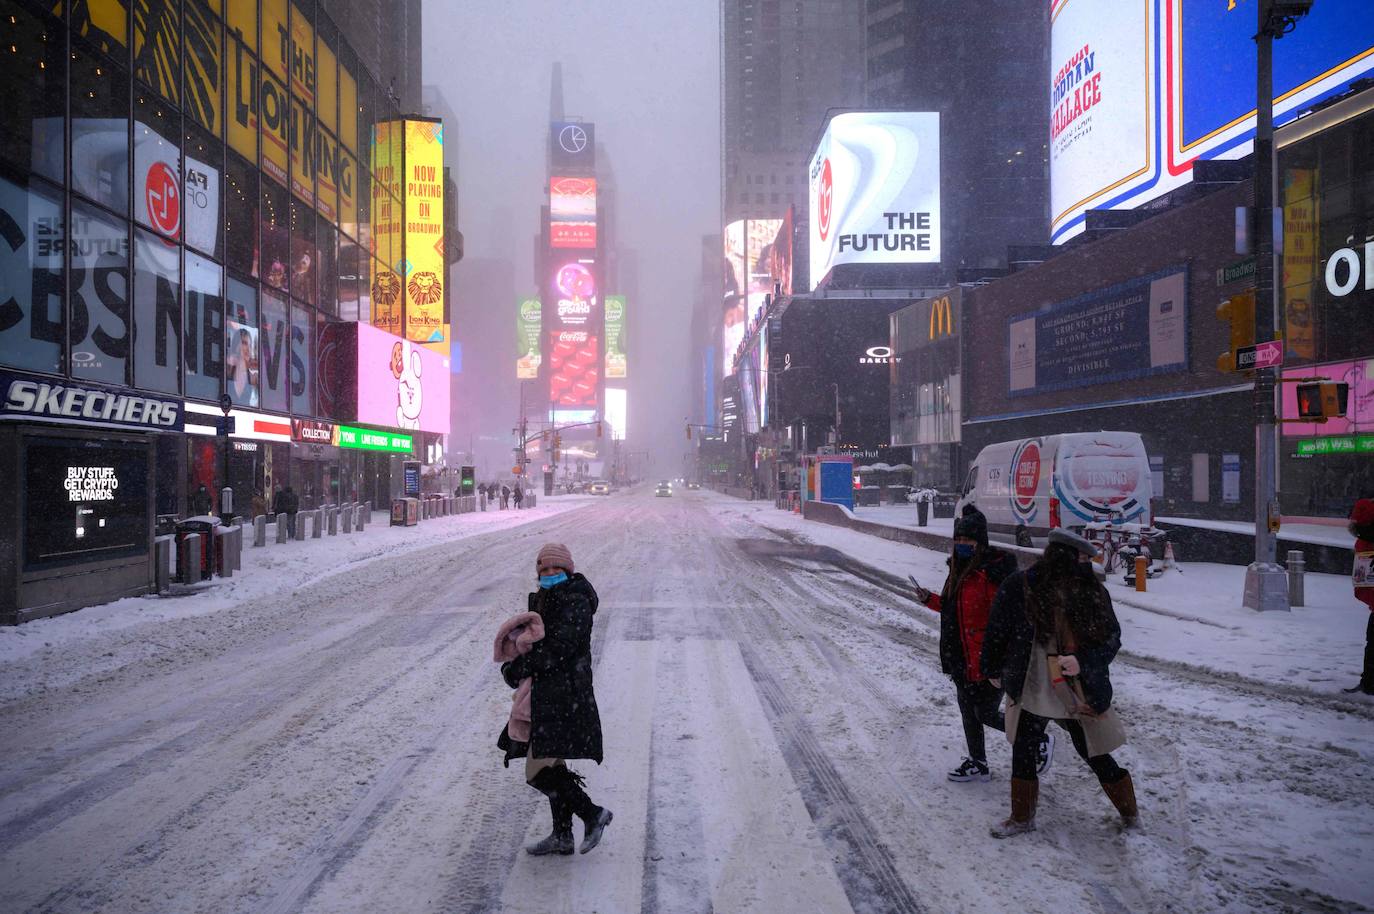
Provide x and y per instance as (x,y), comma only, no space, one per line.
(1266,584)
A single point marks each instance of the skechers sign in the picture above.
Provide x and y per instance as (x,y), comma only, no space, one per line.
(875,191)
(53,401)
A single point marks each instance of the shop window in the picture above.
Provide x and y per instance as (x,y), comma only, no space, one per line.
(201,202)
(328,267)
(301,140)
(346,292)
(157,46)
(204,356)
(325,159)
(101,329)
(104,24)
(275,238)
(31,328)
(84,500)
(274,118)
(348,184)
(100,137)
(302,360)
(241,216)
(204,67)
(157,313)
(364,201)
(159,197)
(242,20)
(365,275)
(243,105)
(273,346)
(348,100)
(367,108)
(31,121)
(305,257)
(241,352)
(1202,478)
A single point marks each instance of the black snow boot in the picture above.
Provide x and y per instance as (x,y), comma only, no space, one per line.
(594,818)
(560,841)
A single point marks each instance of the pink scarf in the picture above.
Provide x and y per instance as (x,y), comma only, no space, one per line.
(516,637)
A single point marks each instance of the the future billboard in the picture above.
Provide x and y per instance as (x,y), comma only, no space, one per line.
(1139,91)
(529,338)
(572,212)
(574,360)
(875,191)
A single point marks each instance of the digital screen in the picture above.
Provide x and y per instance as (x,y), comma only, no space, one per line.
(401,384)
(572,212)
(616,362)
(423,232)
(529,337)
(875,191)
(84,501)
(759,237)
(617,412)
(573,284)
(574,360)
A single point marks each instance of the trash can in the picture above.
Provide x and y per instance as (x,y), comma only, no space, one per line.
(922,512)
(204,525)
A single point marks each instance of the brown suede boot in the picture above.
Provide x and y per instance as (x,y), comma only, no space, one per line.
(1122,794)
(1024,795)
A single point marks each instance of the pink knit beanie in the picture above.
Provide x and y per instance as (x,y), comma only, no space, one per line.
(555,554)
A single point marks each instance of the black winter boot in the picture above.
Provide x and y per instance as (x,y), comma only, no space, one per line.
(560,841)
(594,818)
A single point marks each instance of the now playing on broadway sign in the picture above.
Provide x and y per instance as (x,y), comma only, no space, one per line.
(1129,330)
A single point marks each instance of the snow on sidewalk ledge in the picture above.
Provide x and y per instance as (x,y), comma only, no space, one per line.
(271,569)
(1192,617)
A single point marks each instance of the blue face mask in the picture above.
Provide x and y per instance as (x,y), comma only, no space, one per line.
(963,551)
(552,580)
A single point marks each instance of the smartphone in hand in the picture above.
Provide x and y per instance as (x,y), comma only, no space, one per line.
(921,593)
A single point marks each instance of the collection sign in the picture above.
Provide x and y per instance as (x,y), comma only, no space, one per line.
(1129,330)
(64,402)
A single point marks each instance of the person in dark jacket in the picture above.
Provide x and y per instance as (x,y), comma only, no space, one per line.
(200,501)
(564,722)
(976,570)
(505,497)
(1362,579)
(1052,635)
(518,495)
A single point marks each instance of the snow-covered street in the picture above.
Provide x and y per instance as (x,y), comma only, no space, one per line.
(777,733)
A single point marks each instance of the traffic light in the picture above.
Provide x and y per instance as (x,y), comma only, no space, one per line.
(1323,400)
(1240,311)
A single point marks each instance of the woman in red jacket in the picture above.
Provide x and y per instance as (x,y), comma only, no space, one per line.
(1362,526)
(976,570)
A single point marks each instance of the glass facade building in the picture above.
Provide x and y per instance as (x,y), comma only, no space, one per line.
(189,199)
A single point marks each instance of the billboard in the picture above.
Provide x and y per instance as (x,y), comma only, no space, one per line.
(529,318)
(780,254)
(400,384)
(616,364)
(1359,412)
(1140,90)
(875,191)
(572,145)
(1128,330)
(617,412)
(573,287)
(574,357)
(759,236)
(423,232)
(387,289)
(736,289)
(572,212)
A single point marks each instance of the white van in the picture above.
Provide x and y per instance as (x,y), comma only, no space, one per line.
(1028,487)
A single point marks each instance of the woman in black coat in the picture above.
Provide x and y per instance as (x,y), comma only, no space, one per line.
(1051,637)
(564,722)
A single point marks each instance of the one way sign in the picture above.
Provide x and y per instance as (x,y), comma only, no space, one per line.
(1261,355)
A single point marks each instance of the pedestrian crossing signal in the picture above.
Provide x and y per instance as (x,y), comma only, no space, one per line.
(1323,400)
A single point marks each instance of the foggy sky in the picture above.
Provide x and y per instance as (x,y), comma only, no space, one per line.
(647,73)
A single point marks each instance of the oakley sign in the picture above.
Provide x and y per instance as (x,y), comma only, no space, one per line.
(878,355)
(875,191)
(1343,270)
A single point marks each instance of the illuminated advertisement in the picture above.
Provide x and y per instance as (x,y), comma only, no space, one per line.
(573,285)
(529,319)
(388,291)
(780,255)
(84,501)
(400,385)
(367,439)
(1359,410)
(617,412)
(572,212)
(763,375)
(1141,90)
(616,363)
(758,250)
(736,289)
(875,191)
(423,233)
(574,359)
